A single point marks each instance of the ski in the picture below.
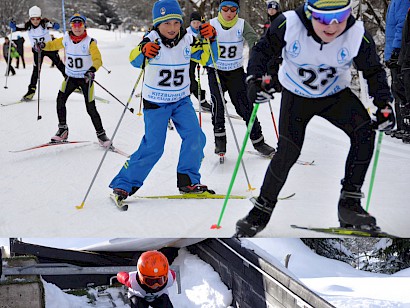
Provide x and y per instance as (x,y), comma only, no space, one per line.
(204,195)
(299,162)
(232,116)
(119,204)
(221,157)
(347,231)
(48,144)
(16,102)
(287,197)
(118,151)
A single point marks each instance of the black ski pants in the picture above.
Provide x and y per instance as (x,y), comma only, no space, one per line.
(399,94)
(161,302)
(234,83)
(345,111)
(68,87)
(9,67)
(54,57)
(194,87)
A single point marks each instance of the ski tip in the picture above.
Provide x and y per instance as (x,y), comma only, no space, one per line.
(79,207)
(215,226)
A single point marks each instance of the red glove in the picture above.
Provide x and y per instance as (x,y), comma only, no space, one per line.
(207,31)
(124,278)
(150,50)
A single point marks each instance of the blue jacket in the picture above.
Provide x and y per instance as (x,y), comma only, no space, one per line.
(396,14)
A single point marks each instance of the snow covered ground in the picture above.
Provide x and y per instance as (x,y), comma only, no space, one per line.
(41,188)
(335,281)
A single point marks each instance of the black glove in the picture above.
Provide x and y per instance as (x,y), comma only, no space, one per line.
(260,90)
(385,119)
(394,58)
(90,74)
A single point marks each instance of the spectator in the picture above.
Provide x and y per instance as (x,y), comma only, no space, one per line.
(20,49)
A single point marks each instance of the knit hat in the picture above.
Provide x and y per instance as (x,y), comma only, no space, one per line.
(34,11)
(165,10)
(234,3)
(78,17)
(328,5)
(195,16)
(274,5)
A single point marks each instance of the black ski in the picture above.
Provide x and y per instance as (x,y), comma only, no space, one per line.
(348,231)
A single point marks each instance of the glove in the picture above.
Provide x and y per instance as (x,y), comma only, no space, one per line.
(12,25)
(56,26)
(39,46)
(90,74)
(385,119)
(207,31)
(394,58)
(261,90)
(151,50)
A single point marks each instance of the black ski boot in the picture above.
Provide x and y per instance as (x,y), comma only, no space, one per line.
(61,135)
(220,144)
(350,212)
(195,189)
(264,149)
(103,139)
(257,218)
(120,194)
(30,93)
(205,106)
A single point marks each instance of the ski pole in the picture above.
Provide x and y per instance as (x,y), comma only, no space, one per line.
(245,140)
(198,68)
(130,109)
(108,71)
(8,59)
(376,159)
(273,119)
(79,207)
(227,113)
(39,62)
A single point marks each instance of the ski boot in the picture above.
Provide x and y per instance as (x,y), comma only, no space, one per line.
(118,196)
(257,218)
(351,214)
(61,135)
(30,93)
(103,139)
(220,147)
(195,189)
(205,106)
(264,149)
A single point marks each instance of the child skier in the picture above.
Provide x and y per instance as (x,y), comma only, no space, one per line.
(83,59)
(147,286)
(38,31)
(166,95)
(9,46)
(232,33)
(319,41)
(193,29)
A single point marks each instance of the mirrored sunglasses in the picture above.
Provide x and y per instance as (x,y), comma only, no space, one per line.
(35,18)
(233,9)
(76,24)
(154,281)
(330,17)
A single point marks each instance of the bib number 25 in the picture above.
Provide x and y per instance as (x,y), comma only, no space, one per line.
(171,78)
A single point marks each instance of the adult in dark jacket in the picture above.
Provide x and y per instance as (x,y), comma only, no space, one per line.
(20,49)
(404,63)
(396,14)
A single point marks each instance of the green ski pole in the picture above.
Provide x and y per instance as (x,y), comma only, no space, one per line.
(376,159)
(238,162)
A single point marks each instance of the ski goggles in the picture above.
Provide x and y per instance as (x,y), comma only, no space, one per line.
(77,24)
(329,17)
(153,282)
(233,9)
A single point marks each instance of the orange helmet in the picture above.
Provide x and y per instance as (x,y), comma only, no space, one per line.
(153,269)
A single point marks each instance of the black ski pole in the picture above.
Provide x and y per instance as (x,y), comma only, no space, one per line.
(38,82)
(130,109)
(108,71)
(8,59)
